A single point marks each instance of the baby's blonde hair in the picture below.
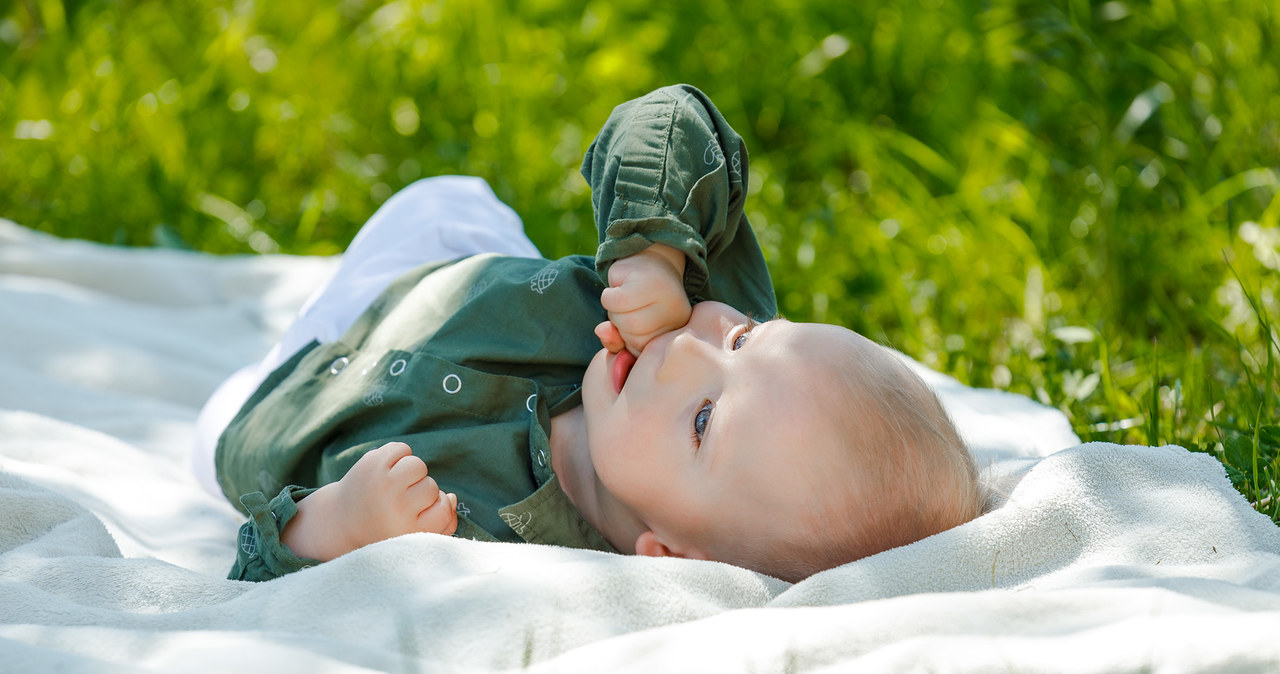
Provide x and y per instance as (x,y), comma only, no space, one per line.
(901,472)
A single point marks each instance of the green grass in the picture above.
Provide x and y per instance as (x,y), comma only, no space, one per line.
(1076,201)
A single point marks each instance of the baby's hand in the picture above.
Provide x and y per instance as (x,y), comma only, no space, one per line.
(645,297)
(386,494)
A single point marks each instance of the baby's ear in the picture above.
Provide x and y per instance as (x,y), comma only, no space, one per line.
(649,545)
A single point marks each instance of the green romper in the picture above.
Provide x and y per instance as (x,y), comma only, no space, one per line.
(467,361)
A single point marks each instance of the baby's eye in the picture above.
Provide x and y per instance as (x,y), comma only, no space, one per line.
(743,336)
(700,422)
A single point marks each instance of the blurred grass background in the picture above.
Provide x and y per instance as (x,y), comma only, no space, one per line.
(1072,200)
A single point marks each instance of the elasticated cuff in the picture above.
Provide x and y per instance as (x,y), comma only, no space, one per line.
(260,554)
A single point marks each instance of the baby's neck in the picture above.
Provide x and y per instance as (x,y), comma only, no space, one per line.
(571,460)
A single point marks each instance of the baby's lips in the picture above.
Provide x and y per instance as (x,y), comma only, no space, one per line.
(622,364)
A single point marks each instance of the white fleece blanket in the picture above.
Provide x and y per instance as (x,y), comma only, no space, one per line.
(1103,558)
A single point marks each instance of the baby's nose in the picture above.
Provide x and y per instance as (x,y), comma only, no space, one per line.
(683,355)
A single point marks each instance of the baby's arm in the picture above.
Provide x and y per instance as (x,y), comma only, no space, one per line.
(645,298)
(387,493)
(667,168)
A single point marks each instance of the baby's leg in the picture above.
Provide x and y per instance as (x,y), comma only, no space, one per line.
(387,493)
(433,219)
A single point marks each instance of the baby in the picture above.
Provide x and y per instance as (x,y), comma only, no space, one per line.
(698,430)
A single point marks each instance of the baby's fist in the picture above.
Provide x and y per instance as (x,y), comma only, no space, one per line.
(645,297)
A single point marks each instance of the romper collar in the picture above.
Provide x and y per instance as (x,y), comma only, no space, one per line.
(548,516)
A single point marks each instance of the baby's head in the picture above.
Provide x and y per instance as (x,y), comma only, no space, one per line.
(787,448)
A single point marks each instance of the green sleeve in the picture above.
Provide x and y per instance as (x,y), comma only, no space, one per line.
(667,168)
(260,554)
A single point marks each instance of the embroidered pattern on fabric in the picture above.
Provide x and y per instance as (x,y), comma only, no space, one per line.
(543,279)
(249,543)
(451,383)
(518,523)
(713,153)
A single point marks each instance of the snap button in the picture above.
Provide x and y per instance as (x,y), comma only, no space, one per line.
(397,367)
(542,459)
(528,402)
(452,384)
(338,364)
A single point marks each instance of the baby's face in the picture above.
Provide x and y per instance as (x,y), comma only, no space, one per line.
(719,428)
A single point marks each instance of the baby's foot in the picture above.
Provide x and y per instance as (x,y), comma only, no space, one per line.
(386,494)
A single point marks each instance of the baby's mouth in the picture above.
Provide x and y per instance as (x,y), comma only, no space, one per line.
(622,364)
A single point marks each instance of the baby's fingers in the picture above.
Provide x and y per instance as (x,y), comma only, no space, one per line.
(408,470)
(386,455)
(441,517)
(638,327)
(625,298)
(635,340)
(609,337)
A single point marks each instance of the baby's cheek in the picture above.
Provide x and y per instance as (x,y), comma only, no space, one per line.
(595,373)
(614,451)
